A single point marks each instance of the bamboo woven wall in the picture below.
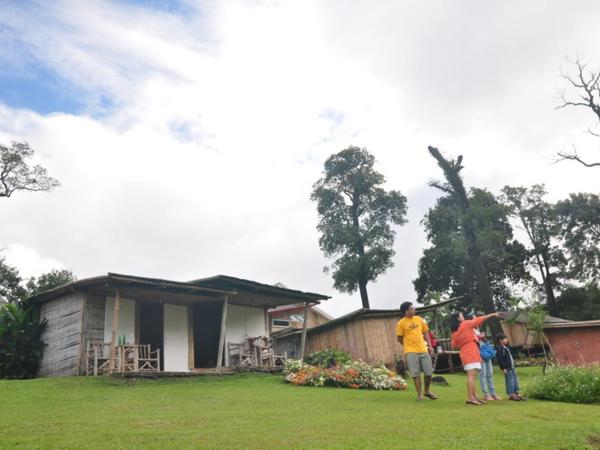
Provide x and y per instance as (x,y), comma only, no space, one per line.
(62,335)
(93,323)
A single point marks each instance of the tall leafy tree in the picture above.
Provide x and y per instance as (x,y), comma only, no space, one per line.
(454,186)
(16,174)
(355,219)
(579,229)
(446,265)
(579,302)
(48,281)
(11,289)
(539,221)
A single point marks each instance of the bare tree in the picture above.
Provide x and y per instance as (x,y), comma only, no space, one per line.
(17,175)
(587,83)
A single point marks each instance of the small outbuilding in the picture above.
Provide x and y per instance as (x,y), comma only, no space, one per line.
(515,327)
(367,334)
(575,342)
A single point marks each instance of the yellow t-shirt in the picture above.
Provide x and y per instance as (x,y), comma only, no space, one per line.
(412,330)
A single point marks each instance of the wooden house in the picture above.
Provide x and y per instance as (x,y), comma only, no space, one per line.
(574,342)
(516,329)
(367,334)
(130,323)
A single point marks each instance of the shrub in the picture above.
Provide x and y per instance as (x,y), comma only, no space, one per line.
(567,384)
(354,375)
(327,358)
(20,341)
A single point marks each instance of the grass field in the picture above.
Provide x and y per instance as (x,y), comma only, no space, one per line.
(261,411)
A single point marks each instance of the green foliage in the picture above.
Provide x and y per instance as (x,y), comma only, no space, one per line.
(48,281)
(20,341)
(11,289)
(15,173)
(20,330)
(540,222)
(355,218)
(446,265)
(567,384)
(579,302)
(579,221)
(327,358)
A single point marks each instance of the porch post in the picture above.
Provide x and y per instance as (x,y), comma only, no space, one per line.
(115,327)
(222,337)
(304,325)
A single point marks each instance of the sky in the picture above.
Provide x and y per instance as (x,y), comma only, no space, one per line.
(187,135)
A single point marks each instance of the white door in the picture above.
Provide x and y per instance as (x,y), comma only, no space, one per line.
(175,344)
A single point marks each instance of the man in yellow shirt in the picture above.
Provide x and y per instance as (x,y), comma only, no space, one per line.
(412,332)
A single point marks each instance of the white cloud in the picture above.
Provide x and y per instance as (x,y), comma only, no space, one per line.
(221,120)
(29,262)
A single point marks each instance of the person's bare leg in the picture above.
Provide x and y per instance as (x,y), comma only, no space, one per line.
(427,384)
(471,386)
(417,381)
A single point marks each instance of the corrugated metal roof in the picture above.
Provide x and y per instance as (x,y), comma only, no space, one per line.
(229,282)
(573,324)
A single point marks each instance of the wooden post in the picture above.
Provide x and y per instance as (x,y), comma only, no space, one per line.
(191,350)
(95,360)
(304,325)
(222,338)
(267,322)
(115,327)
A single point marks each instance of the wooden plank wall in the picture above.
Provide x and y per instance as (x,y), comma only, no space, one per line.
(93,323)
(62,336)
(372,339)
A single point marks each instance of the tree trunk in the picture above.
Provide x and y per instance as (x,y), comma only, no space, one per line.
(362,287)
(360,249)
(451,172)
(548,282)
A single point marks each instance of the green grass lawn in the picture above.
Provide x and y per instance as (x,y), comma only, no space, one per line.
(261,411)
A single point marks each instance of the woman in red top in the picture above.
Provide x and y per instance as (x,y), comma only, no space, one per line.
(463,338)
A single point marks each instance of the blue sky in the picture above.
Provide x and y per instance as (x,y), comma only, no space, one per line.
(40,90)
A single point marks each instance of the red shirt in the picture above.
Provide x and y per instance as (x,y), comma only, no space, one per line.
(465,340)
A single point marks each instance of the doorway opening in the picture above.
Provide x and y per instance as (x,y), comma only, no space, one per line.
(152,327)
(207,331)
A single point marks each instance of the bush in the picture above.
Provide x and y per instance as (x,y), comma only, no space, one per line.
(20,341)
(327,358)
(567,384)
(354,375)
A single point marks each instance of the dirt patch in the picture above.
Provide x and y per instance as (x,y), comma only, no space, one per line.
(594,440)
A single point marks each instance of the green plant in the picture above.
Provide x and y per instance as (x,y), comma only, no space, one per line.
(328,357)
(567,384)
(20,341)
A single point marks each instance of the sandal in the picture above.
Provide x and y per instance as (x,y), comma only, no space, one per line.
(473,402)
(431,396)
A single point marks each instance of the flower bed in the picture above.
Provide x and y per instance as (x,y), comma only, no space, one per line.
(353,375)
